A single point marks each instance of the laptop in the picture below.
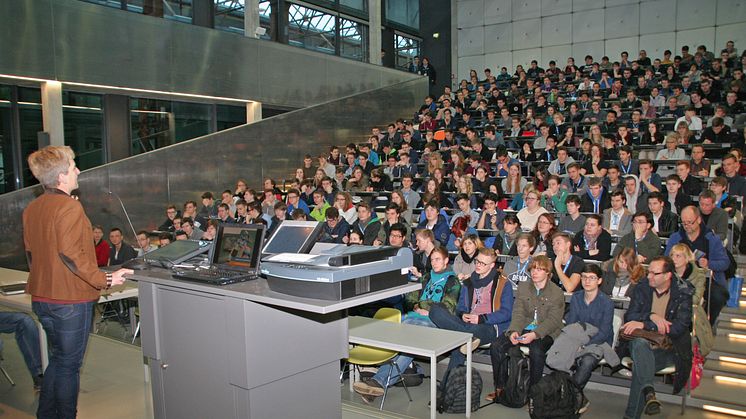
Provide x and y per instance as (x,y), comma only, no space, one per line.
(234,257)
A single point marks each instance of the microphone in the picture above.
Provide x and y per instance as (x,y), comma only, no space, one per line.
(133,264)
(126,214)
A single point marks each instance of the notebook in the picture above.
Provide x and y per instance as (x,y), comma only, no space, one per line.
(234,257)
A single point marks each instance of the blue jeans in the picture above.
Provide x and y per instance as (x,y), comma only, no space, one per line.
(402,361)
(67,327)
(646,362)
(445,320)
(27,337)
(584,366)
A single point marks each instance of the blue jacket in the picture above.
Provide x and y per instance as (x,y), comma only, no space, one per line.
(441,230)
(301,205)
(599,313)
(499,317)
(717,256)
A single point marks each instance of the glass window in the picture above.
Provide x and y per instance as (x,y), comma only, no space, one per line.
(406,49)
(179,10)
(7,169)
(311,29)
(229,15)
(265,18)
(160,123)
(29,111)
(358,5)
(110,3)
(151,120)
(353,40)
(230,116)
(83,118)
(404,13)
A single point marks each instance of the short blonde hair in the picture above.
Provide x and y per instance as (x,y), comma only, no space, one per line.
(684,249)
(49,163)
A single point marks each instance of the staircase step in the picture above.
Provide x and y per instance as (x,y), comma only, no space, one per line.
(725,345)
(712,390)
(719,366)
(725,326)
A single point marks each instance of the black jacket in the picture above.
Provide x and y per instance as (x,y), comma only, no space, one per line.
(668,223)
(682,200)
(678,312)
(369,231)
(603,245)
(586,203)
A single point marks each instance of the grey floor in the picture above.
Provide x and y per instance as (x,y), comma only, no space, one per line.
(113,386)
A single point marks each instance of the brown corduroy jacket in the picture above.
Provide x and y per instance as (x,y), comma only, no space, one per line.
(58,239)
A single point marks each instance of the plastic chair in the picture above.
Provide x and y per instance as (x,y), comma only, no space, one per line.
(362,355)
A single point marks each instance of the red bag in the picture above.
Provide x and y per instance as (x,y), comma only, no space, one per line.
(698,362)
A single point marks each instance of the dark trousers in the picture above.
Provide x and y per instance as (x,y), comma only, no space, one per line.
(716,297)
(537,356)
(67,327)
(445,320)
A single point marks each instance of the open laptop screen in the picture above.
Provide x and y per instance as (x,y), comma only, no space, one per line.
(238,245)
(293,237)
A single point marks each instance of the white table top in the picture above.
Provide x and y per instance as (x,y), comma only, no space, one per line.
(22,302)
(407,338)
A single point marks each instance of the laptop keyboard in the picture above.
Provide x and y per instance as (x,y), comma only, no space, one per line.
(214,275)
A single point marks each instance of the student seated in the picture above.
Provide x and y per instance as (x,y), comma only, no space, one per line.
(516,268)
(621,274)
(439,286)
(617,219)
(504,243)
(484,306)
(566,267)
(536,321)
(644,242)
(594,242)
(435,222)
(661,303)
(335,228)
(591,307)
(572,222)
(27,337)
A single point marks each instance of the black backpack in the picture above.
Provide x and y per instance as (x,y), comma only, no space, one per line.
(452,398)
(515,393)
(555,396)
(413,376)
(731,271)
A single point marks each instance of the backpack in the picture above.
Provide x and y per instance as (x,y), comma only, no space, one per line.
(555,396)
(452,398)
(731,271)
(515,393)
(413,376)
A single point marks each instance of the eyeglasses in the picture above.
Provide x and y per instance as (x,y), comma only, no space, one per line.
(651,273)
(396,236)
(589,278)
(483,263)
(690,223)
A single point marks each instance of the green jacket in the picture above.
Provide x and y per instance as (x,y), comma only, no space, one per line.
(549,306)
(319,214)
(450,294)
(558,201)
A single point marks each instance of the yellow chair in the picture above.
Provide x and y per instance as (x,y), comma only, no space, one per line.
(362,355)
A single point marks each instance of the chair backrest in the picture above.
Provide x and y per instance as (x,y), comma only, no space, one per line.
(617,324)
(388,314)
